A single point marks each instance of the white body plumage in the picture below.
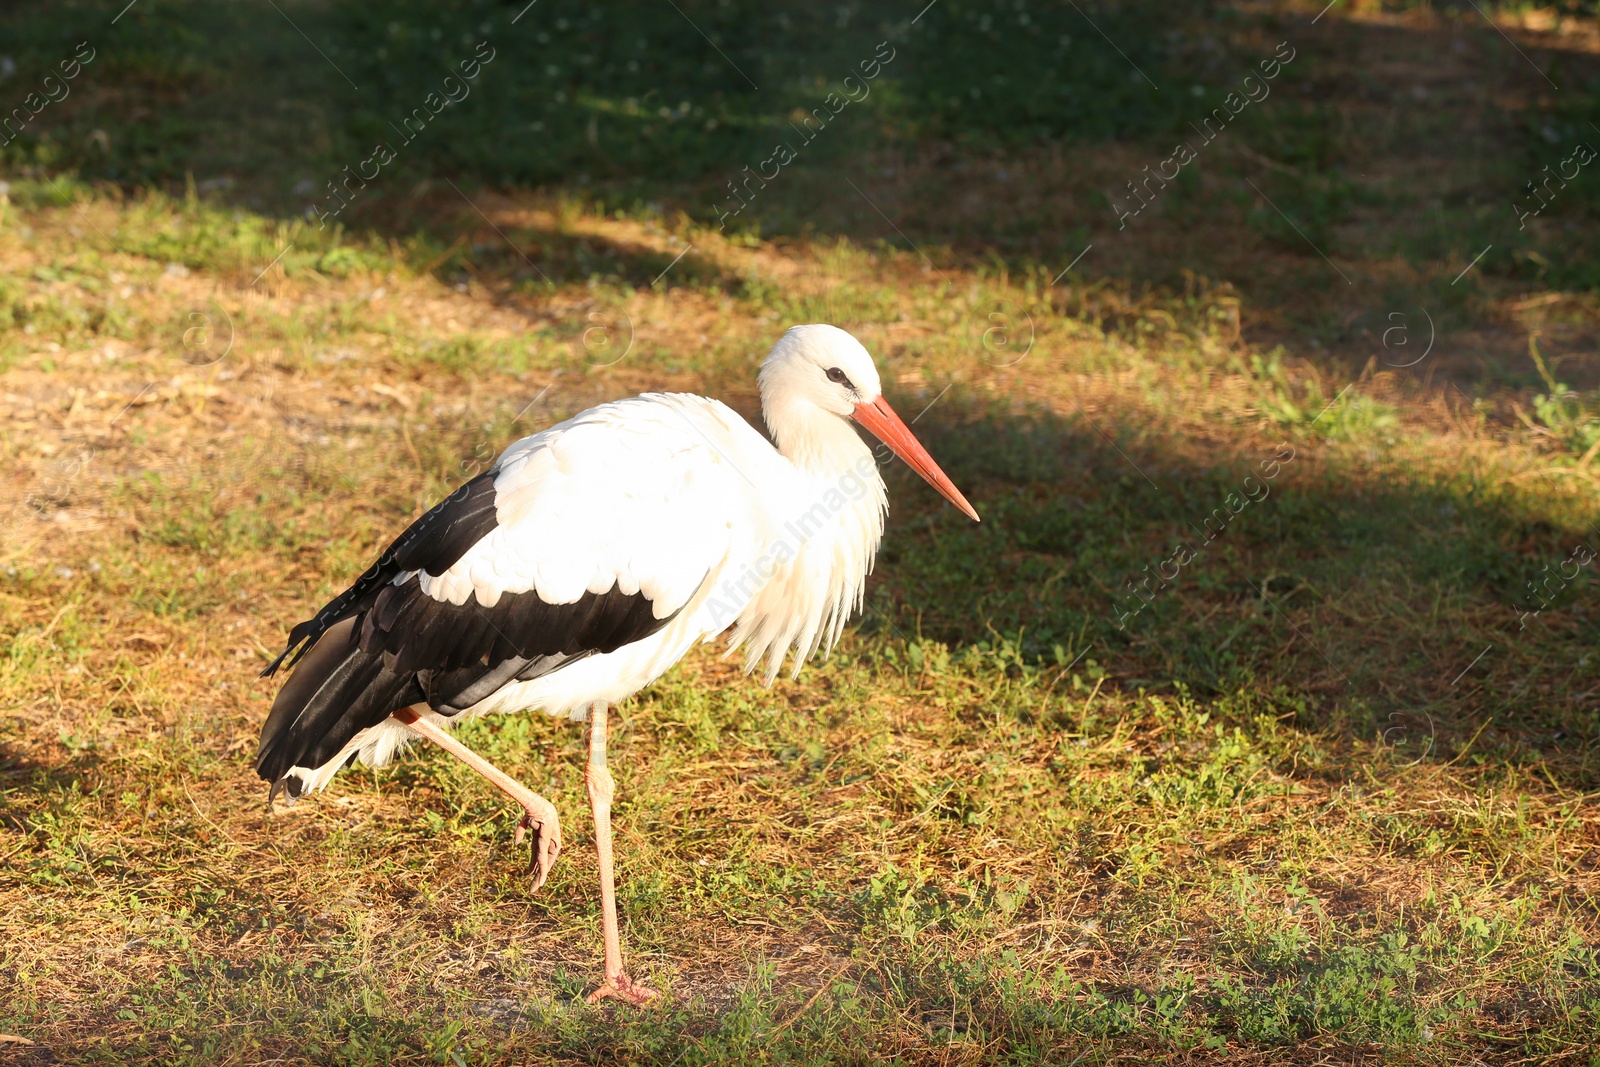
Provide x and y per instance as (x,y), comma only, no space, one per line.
(676,498)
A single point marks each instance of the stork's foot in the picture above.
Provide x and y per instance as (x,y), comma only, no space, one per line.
(625,989)
(539,815)
(537,812)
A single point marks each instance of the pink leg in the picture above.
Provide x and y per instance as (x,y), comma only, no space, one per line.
(537,812)
(601,789)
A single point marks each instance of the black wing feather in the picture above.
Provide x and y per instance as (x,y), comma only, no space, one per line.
(449,656)
(336,692)
(433,544)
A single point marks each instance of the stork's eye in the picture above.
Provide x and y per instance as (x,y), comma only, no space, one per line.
(837,375)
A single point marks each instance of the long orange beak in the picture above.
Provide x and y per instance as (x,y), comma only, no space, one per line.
(886,426)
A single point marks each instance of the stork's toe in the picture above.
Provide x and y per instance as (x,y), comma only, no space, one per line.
(541,818)
(625,989)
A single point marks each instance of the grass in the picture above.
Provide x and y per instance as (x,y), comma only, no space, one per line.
(1256,721)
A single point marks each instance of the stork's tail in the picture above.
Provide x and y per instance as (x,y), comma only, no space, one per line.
(335,692)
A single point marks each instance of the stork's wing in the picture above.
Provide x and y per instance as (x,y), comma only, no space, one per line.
(581,539)
(643,496)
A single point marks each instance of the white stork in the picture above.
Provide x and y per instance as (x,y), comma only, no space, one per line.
(585,563)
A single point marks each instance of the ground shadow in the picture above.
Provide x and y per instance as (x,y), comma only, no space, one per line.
(1012,139)
(1357,604)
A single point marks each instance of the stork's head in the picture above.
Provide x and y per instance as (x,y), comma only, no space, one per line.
(820,372)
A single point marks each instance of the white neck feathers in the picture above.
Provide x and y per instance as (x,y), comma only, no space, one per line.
(826,535)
